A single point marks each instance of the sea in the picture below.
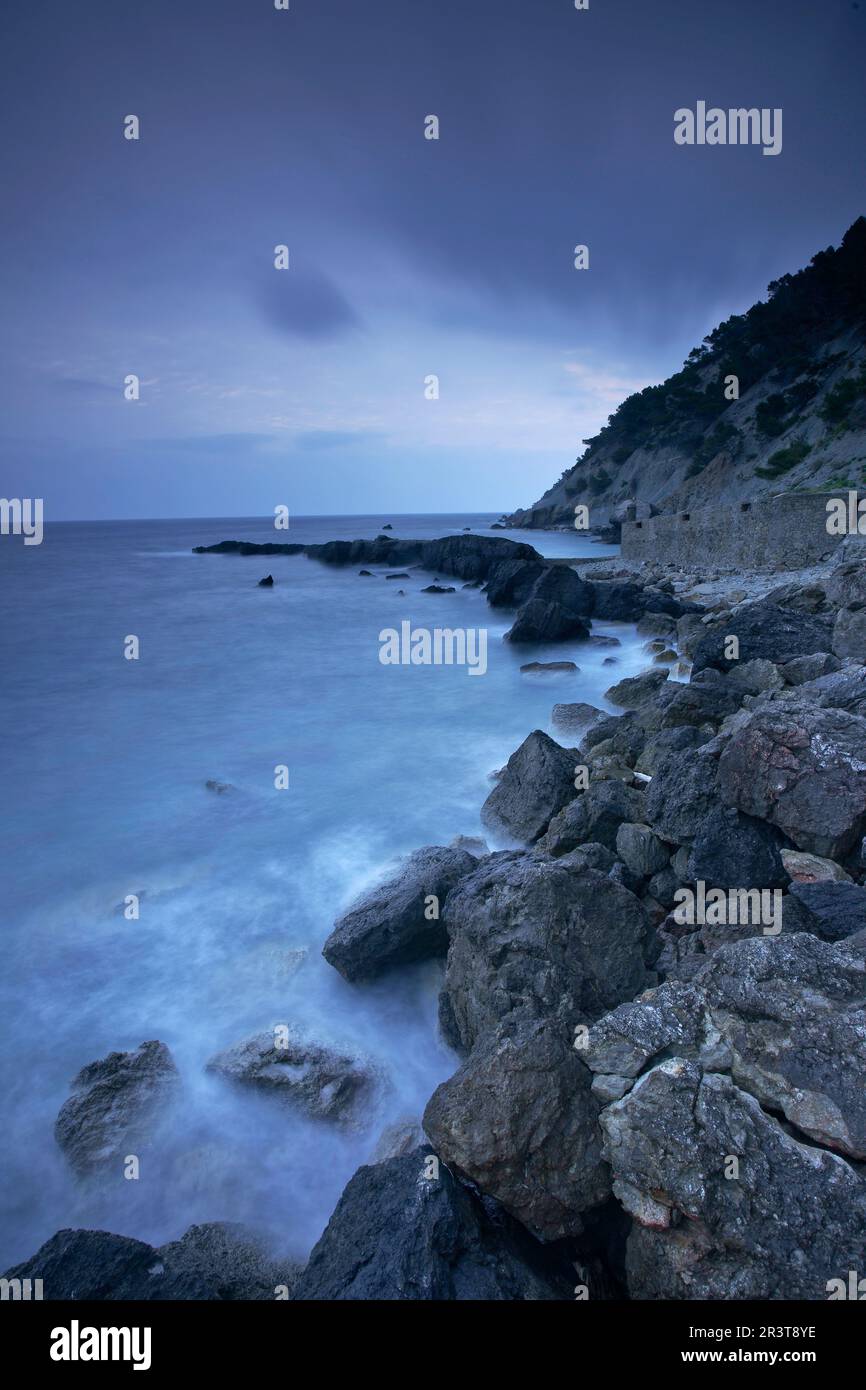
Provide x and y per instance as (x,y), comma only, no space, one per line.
(107,762)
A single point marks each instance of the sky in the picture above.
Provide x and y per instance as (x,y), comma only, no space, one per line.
(408,257)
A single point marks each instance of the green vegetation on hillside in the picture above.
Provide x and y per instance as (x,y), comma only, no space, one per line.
(779,335)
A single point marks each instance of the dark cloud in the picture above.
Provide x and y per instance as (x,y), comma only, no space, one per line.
(306,303)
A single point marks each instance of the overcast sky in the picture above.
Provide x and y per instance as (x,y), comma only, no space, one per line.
(409,257)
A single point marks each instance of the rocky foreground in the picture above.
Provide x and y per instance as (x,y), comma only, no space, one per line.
(658,994)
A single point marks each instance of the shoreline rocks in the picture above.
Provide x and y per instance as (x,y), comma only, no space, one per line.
(115,1107)
(399,921)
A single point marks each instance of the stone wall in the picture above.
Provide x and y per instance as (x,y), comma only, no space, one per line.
(783,532)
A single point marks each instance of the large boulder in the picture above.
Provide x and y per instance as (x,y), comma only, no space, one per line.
(849,632)
(558,608)
(594,816)
(697,704)
(115,1107)
(519,1120)
(510,581)
(765,631)
(803,769)
(538,781)
(658,747)
(845,689)
(847,584)
(641,850)
(216,1261)
(682,794)
(323,1082)
(396,923)
(623,601)
(636,690)
(831,910)
(786,1016)
(781,1225)
(407,1230)
(731,850)
(535,938)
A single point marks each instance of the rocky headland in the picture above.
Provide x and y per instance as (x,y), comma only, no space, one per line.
(656,994)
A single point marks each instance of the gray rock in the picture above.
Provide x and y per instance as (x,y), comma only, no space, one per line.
(831,910)
(392,925)
(659,746)
(538,781)
(218,1261)
(697,705)
(534,939)
(518,1119)
(398,1234)
(681,795)
(786,1016)
(849,632)
(636,690)
(809,668)
(755,677)
(731,850)
(766,632)
(804,770)
(595,815)
(641,850)
(847,584)
(572,718)
(791,1220)
(115,1107)
(324,1083)
(557,608)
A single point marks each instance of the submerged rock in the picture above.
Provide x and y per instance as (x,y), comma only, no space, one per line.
(550,667)
(399,1234)
(115,1107)
(322,1082)
(267,582)
(399,921)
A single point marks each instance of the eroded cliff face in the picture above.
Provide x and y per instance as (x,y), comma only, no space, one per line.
(774,399)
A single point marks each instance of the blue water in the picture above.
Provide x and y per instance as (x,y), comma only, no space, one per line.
(106,765)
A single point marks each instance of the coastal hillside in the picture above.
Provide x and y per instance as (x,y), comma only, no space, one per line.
(797,422)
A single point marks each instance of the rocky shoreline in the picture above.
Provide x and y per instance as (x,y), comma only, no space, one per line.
(658,998)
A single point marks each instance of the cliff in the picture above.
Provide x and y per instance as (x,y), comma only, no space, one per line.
(795,419)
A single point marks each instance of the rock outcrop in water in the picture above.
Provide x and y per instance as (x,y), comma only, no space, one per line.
(115,1107)
(399,921)
(669,1095)
(324,1083)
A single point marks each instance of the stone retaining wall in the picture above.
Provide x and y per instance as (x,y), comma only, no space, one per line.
(784,532)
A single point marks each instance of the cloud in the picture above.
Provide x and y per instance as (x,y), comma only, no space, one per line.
(312,440)
(230,444)
(305,303)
